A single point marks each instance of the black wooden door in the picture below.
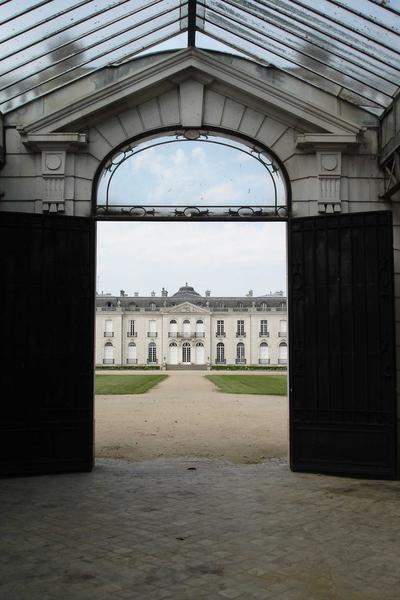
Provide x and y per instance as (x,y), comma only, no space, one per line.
(342,366)
(47,343)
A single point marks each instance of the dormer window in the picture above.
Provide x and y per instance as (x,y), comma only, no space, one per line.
(153,306)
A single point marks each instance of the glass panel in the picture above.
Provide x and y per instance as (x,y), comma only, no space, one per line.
(57,35)
(85,59)
(309,37)
(202,177)
(285,45)
(363,16)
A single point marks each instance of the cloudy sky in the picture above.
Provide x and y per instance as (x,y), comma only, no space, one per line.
(228,258)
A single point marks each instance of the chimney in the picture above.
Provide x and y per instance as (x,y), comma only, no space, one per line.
(208,293)
(164,293)
(136,294)
(250,294)
(153,294)
(122,293)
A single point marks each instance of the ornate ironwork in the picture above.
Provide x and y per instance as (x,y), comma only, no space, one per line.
(272,210)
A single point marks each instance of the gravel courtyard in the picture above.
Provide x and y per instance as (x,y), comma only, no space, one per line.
(185,416)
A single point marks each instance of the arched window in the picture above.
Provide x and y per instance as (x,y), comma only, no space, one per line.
(257,181)
(263,306)
(173,353)
(186,353)
(199,328)
(152,354)
(173,328)
(132,356)
(240,359)
(108,357)
(220,354)
(200,358)
(263,357)
(283,353)
(186,327)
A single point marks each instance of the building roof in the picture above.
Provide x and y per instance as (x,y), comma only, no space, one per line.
(349,49)
(187,293)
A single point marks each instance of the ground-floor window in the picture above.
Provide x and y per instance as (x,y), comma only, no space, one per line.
(263,357)
(132,356)
(108,356)
(240,353)
(152,353)
(200,353)
(283,353)
(220,353)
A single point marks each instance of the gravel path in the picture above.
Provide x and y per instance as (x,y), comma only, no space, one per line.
(186,416)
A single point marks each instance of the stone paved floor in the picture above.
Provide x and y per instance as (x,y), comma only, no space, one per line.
(198,529)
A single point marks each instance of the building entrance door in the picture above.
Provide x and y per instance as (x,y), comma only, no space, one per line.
(186,351)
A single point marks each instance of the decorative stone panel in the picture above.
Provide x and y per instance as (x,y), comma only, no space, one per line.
(329,175)
(53,172)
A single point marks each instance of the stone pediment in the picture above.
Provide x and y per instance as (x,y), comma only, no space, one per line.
(92,101)
(186,307)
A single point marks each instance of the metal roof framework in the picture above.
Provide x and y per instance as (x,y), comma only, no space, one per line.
(349,48)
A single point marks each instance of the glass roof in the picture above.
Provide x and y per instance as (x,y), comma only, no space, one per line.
(350,48)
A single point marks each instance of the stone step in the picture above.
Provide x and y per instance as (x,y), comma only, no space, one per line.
(186,367)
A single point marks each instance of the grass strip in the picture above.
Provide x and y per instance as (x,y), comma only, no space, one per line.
(273,385)
(126,384)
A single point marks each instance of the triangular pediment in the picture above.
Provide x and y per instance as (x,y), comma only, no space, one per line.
(186,307)
(147,76)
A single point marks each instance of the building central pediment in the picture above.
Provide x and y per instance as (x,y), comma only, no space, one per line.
(186,307)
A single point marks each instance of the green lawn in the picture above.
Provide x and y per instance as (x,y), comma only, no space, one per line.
(126,384)
(275,385)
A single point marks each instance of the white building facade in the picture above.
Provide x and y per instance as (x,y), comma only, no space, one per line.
(187,330)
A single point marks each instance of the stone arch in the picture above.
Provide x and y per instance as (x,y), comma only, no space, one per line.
(222,132)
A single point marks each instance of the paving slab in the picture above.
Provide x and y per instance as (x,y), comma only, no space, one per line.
(198,529)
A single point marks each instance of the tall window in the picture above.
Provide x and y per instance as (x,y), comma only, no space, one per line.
(108,357)
(240,353)
(173,328)
(264,327)
(132,356)
(240,327)
(199,328)
(131,330)
(283,327)
(108,327)
(152,329)
(186,327)
(283,353)
(220,353)
(220,327)
(264,354)
(152,353)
